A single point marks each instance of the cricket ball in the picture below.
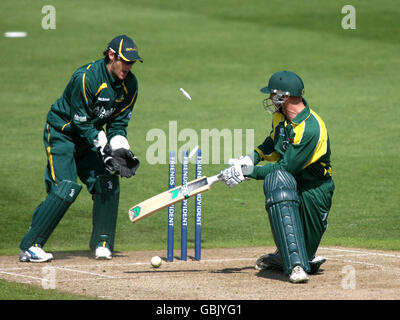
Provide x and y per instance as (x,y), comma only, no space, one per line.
(156,261)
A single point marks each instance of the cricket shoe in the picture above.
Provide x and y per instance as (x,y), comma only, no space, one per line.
(274,261)
(103,252)
(270,261)
(35,254)
(298,275)
(315,264)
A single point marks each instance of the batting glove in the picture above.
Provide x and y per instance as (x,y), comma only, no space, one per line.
(232,176)
(242,161)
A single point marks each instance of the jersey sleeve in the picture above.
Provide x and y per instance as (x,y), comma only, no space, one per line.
(119,121)
(266,150)
(81,102)
(296,157)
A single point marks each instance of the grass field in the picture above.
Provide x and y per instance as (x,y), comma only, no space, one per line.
(222,53)
(13,291)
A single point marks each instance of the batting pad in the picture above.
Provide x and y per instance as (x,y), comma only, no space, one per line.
(282,205)
(105,210)
(49,213)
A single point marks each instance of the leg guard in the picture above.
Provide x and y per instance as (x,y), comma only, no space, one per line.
(105,210)
(282,205)
(49,213)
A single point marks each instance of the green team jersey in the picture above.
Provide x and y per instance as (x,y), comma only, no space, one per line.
(92,99)
(300,147)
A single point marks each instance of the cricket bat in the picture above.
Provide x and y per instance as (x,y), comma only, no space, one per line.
(167,198)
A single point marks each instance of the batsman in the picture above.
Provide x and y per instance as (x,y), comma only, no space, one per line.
(85,137)
(298,183)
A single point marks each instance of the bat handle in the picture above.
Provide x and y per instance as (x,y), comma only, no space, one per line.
(214,179)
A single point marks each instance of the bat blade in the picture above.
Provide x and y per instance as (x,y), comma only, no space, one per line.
(167,198)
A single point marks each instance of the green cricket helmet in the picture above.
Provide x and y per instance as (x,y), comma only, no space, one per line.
(281,86)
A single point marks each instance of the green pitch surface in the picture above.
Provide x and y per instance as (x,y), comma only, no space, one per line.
(221,53)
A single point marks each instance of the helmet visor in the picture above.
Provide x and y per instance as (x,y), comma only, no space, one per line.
(275,101)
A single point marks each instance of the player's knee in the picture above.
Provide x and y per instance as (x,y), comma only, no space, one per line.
(279,186)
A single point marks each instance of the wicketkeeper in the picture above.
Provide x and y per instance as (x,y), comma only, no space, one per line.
(85,136)
(298,185)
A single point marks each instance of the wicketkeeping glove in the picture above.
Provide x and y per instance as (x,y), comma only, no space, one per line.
(109,161)
(126,161)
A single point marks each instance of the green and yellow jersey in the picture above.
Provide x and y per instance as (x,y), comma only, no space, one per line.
(300,147)
(94,99)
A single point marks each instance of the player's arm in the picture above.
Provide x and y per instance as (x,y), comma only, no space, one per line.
(118,123)
(80,92)
(117,133)
(241,169)
(81,102)
(296,157)
(265,151)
